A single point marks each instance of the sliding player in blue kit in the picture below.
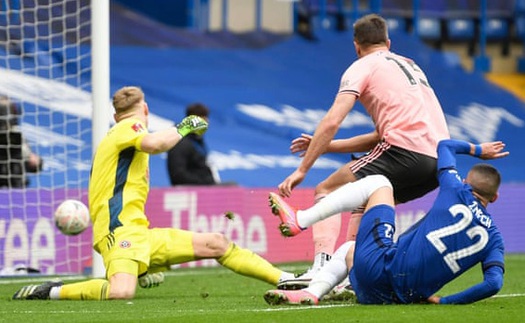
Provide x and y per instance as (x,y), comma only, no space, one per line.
(455,235)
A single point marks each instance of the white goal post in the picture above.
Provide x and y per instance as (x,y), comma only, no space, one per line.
(54,99)
(100,93)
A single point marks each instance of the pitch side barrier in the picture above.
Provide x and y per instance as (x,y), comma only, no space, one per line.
(240,213)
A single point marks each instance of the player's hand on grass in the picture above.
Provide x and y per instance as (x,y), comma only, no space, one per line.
(300,144)
(434,299)
(192,124)
(493,150)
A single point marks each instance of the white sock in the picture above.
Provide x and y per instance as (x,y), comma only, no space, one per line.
(320,260)
(346,198)
(330,274)
(54,293)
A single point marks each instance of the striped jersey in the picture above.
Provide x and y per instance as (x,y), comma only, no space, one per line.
(397,95)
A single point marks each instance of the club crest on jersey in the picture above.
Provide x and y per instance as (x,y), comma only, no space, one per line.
(125,244)
(137,127)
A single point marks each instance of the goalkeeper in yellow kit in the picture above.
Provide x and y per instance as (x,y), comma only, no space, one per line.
(118,190)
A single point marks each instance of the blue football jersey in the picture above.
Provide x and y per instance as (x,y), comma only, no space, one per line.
(456,234)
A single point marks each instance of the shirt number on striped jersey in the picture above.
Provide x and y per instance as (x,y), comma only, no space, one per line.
(407,72)
(451,257)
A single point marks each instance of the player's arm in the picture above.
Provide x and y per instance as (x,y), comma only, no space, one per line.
(327,128)
(360,143)
(163,140)
(448,148)
(492,283)
(356,144)
(160,141)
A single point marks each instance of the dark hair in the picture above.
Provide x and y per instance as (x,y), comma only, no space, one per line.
(485,180)
(370,30)
(197,109)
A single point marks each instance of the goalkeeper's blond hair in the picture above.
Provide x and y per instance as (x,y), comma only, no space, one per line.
(127,99)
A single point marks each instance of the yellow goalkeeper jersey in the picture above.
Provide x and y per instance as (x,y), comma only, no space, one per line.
(119,180)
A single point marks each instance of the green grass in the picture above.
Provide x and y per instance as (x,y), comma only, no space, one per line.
(217,295)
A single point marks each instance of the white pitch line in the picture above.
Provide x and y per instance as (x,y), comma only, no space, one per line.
(509,295)
(7,280)
(301,307)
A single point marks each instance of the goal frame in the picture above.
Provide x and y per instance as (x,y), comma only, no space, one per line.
(100,79)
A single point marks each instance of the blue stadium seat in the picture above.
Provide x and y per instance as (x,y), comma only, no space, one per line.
(396,24)
(460,29)
(520,29)
(497,29)
(520,6)
(429,28)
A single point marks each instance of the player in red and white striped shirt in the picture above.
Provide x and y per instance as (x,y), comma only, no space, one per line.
(409,123)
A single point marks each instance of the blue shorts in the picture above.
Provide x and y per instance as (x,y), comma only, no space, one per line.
(374,248)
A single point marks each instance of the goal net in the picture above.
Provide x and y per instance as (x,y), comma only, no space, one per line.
(45,111)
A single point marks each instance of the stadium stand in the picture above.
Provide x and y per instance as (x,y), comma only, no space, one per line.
(265,89)
(463,30)
(498,31)
(261,99)
(429,29)
(396,24)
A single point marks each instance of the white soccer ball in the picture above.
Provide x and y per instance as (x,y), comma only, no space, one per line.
(72,217)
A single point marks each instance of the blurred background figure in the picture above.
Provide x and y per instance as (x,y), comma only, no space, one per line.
(188,160)
(16,156)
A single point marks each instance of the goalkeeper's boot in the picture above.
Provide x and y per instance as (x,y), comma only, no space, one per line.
(286,213)
(36,291)
(151,280)
(192,124)
(290,297)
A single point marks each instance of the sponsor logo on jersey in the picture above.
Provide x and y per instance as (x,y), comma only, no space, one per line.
(137,127)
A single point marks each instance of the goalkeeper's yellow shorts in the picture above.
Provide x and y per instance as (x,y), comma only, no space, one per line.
(153,249)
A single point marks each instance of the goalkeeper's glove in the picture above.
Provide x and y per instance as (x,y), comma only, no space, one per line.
(192,124)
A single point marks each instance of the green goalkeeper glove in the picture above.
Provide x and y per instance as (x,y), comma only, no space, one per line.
(192,124)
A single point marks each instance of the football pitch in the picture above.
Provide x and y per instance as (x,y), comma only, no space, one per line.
(218,295)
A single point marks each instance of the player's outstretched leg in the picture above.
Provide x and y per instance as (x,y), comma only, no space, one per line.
(36,291)
(286,213)
(291,297)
